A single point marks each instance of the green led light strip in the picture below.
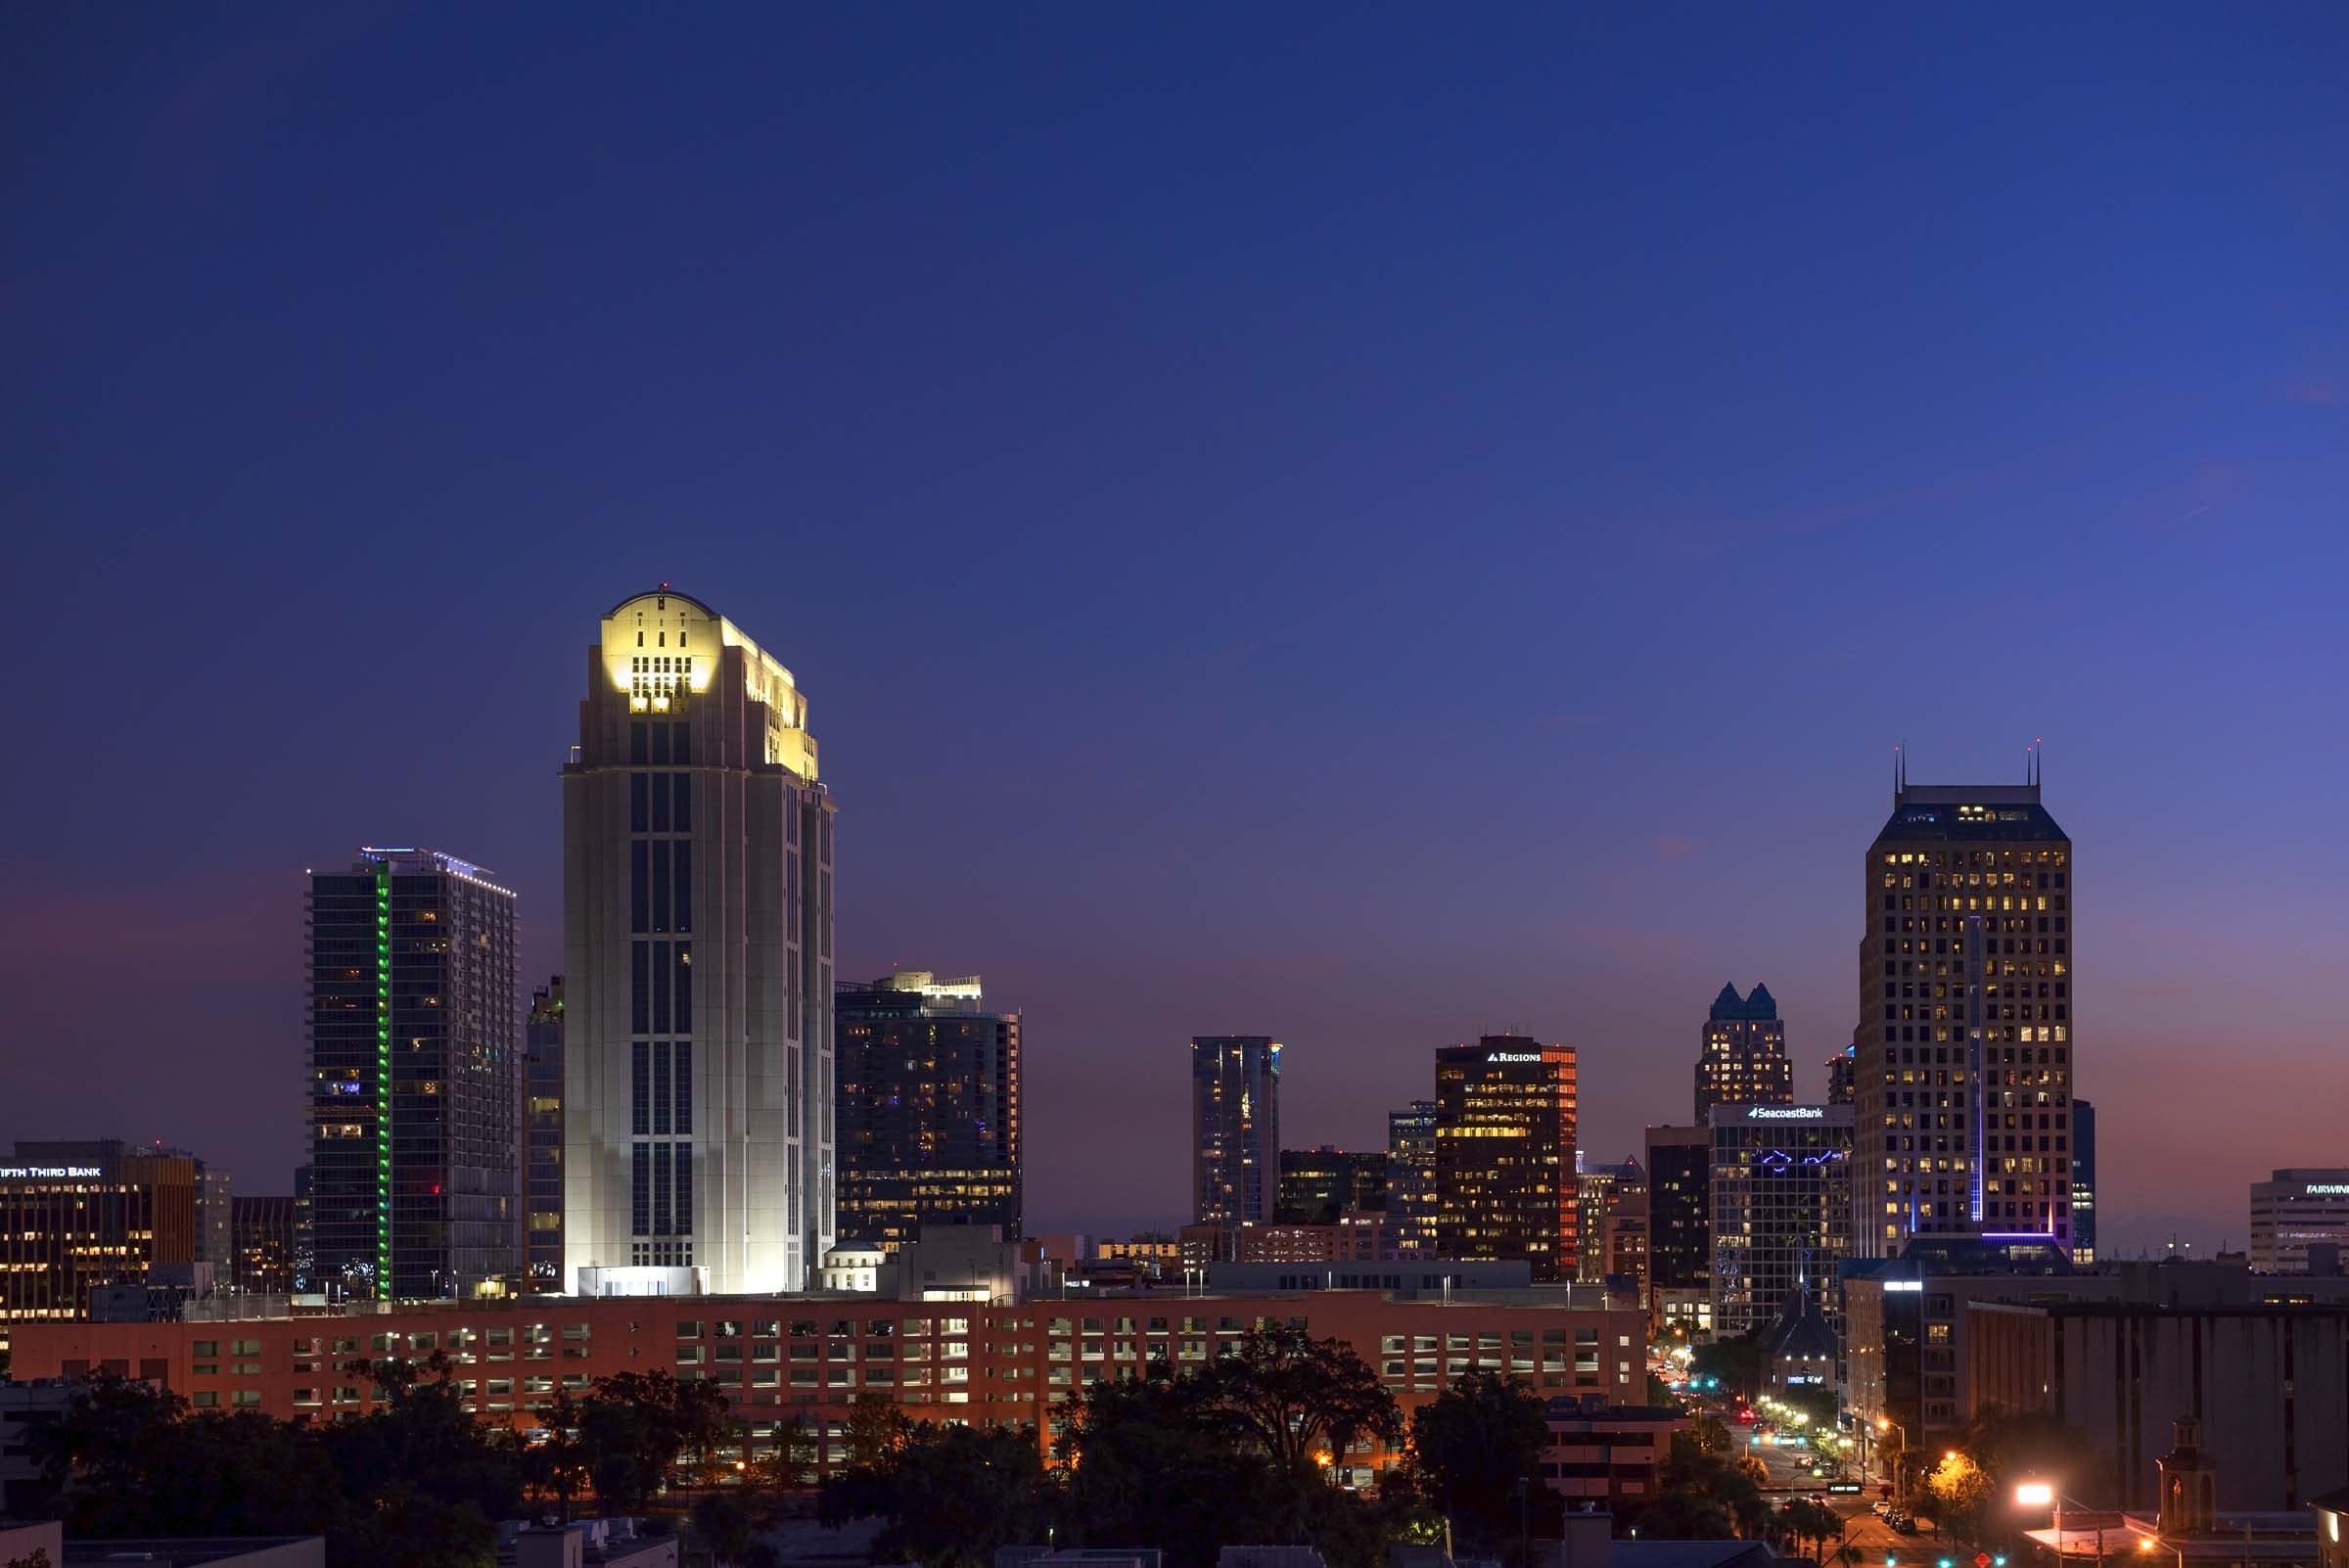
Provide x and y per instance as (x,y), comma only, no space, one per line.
(383,1080)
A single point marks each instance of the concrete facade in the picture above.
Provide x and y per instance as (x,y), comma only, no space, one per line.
(2269,1385)
(696,1051)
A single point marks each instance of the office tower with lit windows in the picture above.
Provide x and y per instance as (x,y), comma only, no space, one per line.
(1235,1128)
(2084,1183)
(215,1216)
(1679,1228)
(215,1225)
(542,1139)
(1320,1183)
(1840,1068)
(1962,1065)
(1505,1185)
(413,1076)
(927,1109)
(1781,1202)
(697,922)
(306,1255)
(87,1213)
(2297,1208)
(1743,1061)
(1604,1195)
(265,1234)
(1412,1180)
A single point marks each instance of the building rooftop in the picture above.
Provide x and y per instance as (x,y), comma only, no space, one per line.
(415,860)
(1638,1554)
(190,1552)
(1969,812)
(1583,1407)
(1799,1331)
(1760,1007)
(2238,1536)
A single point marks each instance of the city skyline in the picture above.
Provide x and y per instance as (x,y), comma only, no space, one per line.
(1347,605)
(2146,1235)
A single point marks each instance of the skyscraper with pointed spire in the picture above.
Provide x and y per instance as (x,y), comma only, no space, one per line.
(1744,1059)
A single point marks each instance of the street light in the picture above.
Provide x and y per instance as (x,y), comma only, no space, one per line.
(2147,1543)
(2044,1495)
(1885,1423)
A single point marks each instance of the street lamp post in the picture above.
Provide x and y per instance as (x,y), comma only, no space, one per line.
(1885,1423)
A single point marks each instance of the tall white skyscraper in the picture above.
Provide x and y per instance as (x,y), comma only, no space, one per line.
(697,1066)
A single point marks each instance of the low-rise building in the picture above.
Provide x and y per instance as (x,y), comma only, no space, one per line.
(781,1359)
(25,1410)
(1154,1255)
(1605,1454)
(2333,1528)
(594,1544)
(1354,1236)
(46,1543)
(2188,1526)
(1907,1343)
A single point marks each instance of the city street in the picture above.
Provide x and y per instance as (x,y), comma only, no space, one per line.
(1875,1542)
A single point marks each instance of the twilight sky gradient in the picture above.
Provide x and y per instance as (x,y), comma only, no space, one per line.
(1367,526)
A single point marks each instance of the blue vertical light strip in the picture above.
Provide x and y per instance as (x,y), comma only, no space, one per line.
(383,1080)
(1976,972)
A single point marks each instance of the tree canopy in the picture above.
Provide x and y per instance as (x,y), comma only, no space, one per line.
(1243,1449)
(1476,1457)
(416,1481)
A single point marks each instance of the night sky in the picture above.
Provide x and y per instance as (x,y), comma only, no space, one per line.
(1369,527)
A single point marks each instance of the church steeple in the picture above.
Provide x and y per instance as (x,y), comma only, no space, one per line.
(2190,1486)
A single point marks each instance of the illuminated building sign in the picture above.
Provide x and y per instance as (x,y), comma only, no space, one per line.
(1785,1113)
(2328,1189)
(1905,1284)
(1514,1056)
(67,1173)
